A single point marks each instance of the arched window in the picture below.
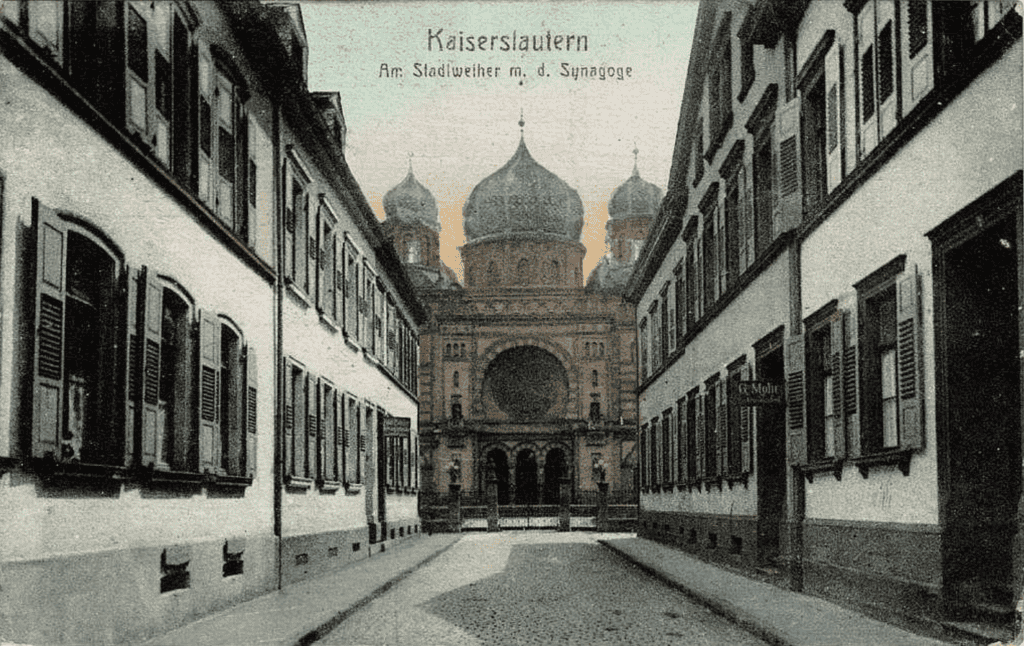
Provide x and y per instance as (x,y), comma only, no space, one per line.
(455,379)
(593,378)
(462,350)
(492,274)
(586,349)
(552,273)
(448,349)
(523,272)
(600,351)
(413,252)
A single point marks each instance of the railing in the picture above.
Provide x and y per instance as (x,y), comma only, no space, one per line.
(437,512)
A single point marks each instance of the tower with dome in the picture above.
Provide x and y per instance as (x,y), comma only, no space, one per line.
(527,370)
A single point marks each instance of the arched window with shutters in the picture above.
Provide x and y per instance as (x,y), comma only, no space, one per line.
(81,315)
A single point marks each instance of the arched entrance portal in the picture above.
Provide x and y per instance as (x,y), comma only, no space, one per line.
(526,478)
(554,470)
(497,460)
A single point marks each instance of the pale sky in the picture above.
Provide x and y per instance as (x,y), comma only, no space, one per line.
(460,130)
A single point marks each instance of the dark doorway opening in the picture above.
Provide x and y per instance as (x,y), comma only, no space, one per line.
(526,478)
(770,465)
(977,339)
(497,460)
(554,471)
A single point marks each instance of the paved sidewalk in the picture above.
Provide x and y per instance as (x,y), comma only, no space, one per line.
(776,615)
(303,612)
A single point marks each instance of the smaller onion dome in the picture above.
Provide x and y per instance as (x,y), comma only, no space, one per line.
(635,198)
(412,203)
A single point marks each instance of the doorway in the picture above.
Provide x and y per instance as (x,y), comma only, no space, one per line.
(526,478)
(554,471)
(978,408)
(770,465)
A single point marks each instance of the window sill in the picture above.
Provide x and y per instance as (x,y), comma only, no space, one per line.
(709,482)
(326,321)
(328,486)
(168,476)
(231,482)
(823,466)
(48,469)
(353,487)
(351,342)
(736,478)
(298,293)
(298,482)
(899,457)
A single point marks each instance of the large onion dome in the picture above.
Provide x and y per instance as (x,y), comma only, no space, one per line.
(410,202)
(635,198)
(523,199)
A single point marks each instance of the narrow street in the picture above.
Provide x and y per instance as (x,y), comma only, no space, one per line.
(533,587)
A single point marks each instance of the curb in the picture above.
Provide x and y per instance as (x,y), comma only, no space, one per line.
(719,606)
(326,627)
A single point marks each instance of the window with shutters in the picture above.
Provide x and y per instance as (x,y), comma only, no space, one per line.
(698,152)
(223,138)
(655,451)
(645,477)
(737,423)
(679,274)
(163,346)
(824,385)
(78,417)
(878,69)
(656,336)
(719,88)
(690,436)
(668,432)
(747,68)
(712,421)
(297,418)
(232,402)
(668,297)
(329,291)
(764,186)
(643,349)
(709,247)
(813,126)
(889,349)
(353,442)
(296,224)
(367,308)
(352,284)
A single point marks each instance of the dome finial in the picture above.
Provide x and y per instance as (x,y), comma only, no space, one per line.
(522,122)
(636,152)
(410,163)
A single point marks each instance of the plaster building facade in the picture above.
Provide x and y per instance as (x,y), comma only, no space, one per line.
(525,367)
(827,306)
(207,346)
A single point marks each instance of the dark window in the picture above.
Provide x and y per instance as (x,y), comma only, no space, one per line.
(711,429)
(886,72)
(813,126)
(746,67)
(763,186)
(867,84)
(710,257)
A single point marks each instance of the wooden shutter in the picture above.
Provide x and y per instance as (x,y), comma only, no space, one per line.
(701,453)
(241,224)
(318,242)
(834,115)
(130,362)
(209,392)
(838,402)
(722,422)
(916,51)
(289,419)
(48,374)
(886,57)
(908,360)
(151,421)
(795,400)
(789,208)
(746,209)
(312,426)
(338,435)
(682,427)
(322,429)
(746,426)
(251,427)
(851,382)
(866,75)
(289,223)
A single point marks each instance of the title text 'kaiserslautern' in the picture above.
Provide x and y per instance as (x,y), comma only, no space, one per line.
(438,41)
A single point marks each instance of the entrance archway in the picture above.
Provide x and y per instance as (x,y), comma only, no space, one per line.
(554,470)
(526,478)
(497,460)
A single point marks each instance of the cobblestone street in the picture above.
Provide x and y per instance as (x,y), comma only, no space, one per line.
(533,588)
